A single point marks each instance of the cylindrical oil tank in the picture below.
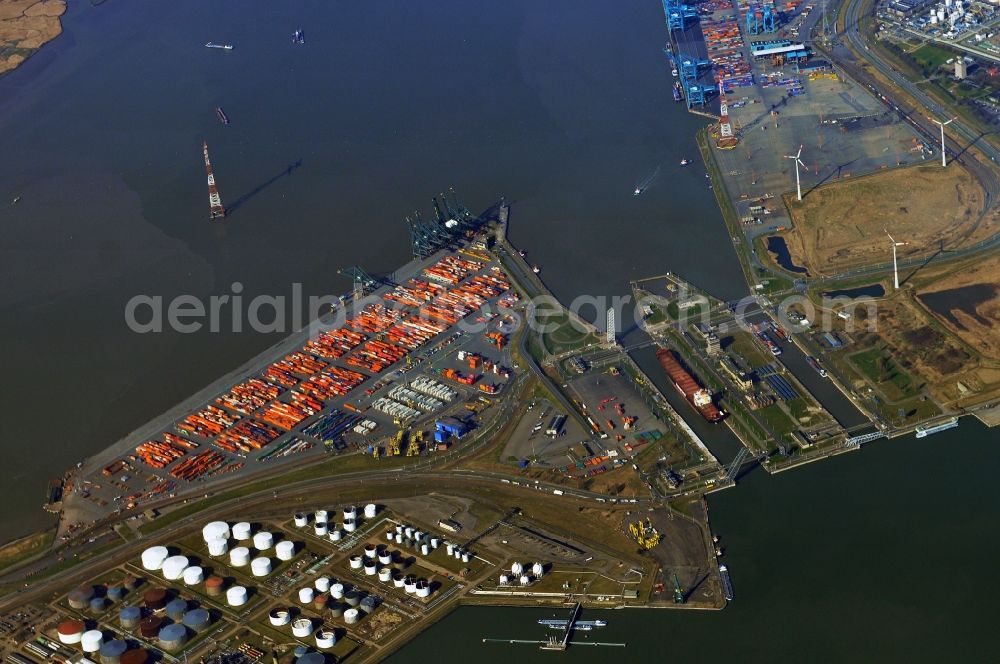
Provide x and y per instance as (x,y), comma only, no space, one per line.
(325,639)
(115,593)
(193,575)
(97,604)
(336,535)
(423,589)
(504,580)
(410,585)
(320,600)
(435,542)
(215,530)
(351,616)
(155,599)
(311,658)
(399,528)
(424,549)
(399,538)
(91,640)
(370,551)
(173,637)
(385,557)
(322,584)
(350,512)
(306,595)
(337,590)
(197,619)
(370,569)
(516,569)
(213,585)
(260,566)
(465,557)
(525,579)
(368,604)
(153,557)
(458,554)
(285,550)
(408,542)
(129,617)
(217,547)
(390,535)
(150,626)
(70,631)
(176,609)
(352,598)
(79,598)
(301,627)
(370,511)
(279,616)
(320,529)
(450,548)
(408,532)
(135,656)
(130,583)
(236,596)
(112,651)
(398,580)
(241,531)
(356,562)
(321,516)
(173,567)
(418,535)
(301,520)
(350,525)
(385,575)
(537,569)
(239,557)
(336,609)
(263,541)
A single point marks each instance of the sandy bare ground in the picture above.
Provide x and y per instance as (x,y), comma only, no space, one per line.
(842,225)
(25,25)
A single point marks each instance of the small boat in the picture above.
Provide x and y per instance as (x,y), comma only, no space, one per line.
(536,269)
(225,47)
(223,118)
(685,162)
(17,199)
(673,72)
(298,37)
(637,191)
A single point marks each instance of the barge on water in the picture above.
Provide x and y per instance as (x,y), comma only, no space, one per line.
(923,432)
(727,583)
(696,395)
(223,118)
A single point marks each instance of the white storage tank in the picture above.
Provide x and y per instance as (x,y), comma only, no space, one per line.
(385,575)
(217,547)
(458,554)
(173,567)
(398,580)
(279,617)
(350,512)
(399,538)
(350,525)
(423,589)
(215,530)
(91,640)
(302,627)
(335,535)
(449,548)
(370,569)
(301,520)
(351,616)
(370,511)
(321,516)
(337,591)
(263,541)
(399,528)
(465,556)
(424,549)
(320,529)
(516,569)
(385,557)
(285,550)
(325,639)
(504,580)
(390,535)
(370,551)
(408,532)
(322,584)
(153,557)
(241,531)
(410,585)
(306,595)
(537,570)
(356,562)
(236,596)
(525,580)
(71,631)
(193,575)
(435,542)
(260,566)
(239,557)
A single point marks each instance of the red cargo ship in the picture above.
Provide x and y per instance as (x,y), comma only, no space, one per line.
(699,398)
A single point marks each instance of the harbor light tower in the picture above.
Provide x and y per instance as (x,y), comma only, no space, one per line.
(798,162)
(895,268)
(944,155)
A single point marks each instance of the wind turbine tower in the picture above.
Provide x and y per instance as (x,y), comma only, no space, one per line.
(798,162)
(944,155)
(895,268)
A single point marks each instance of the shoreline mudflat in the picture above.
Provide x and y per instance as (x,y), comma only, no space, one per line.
(26,26)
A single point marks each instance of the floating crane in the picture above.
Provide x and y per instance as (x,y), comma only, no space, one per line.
(216,211)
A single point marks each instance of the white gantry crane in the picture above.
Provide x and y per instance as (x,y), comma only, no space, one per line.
(895,268)
(944,155)
(798,162)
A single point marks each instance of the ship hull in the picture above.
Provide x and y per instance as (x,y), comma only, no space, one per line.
(687,386)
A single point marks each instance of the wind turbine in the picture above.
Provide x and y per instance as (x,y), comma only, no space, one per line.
(798,162)
(942,124)
(895,268)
